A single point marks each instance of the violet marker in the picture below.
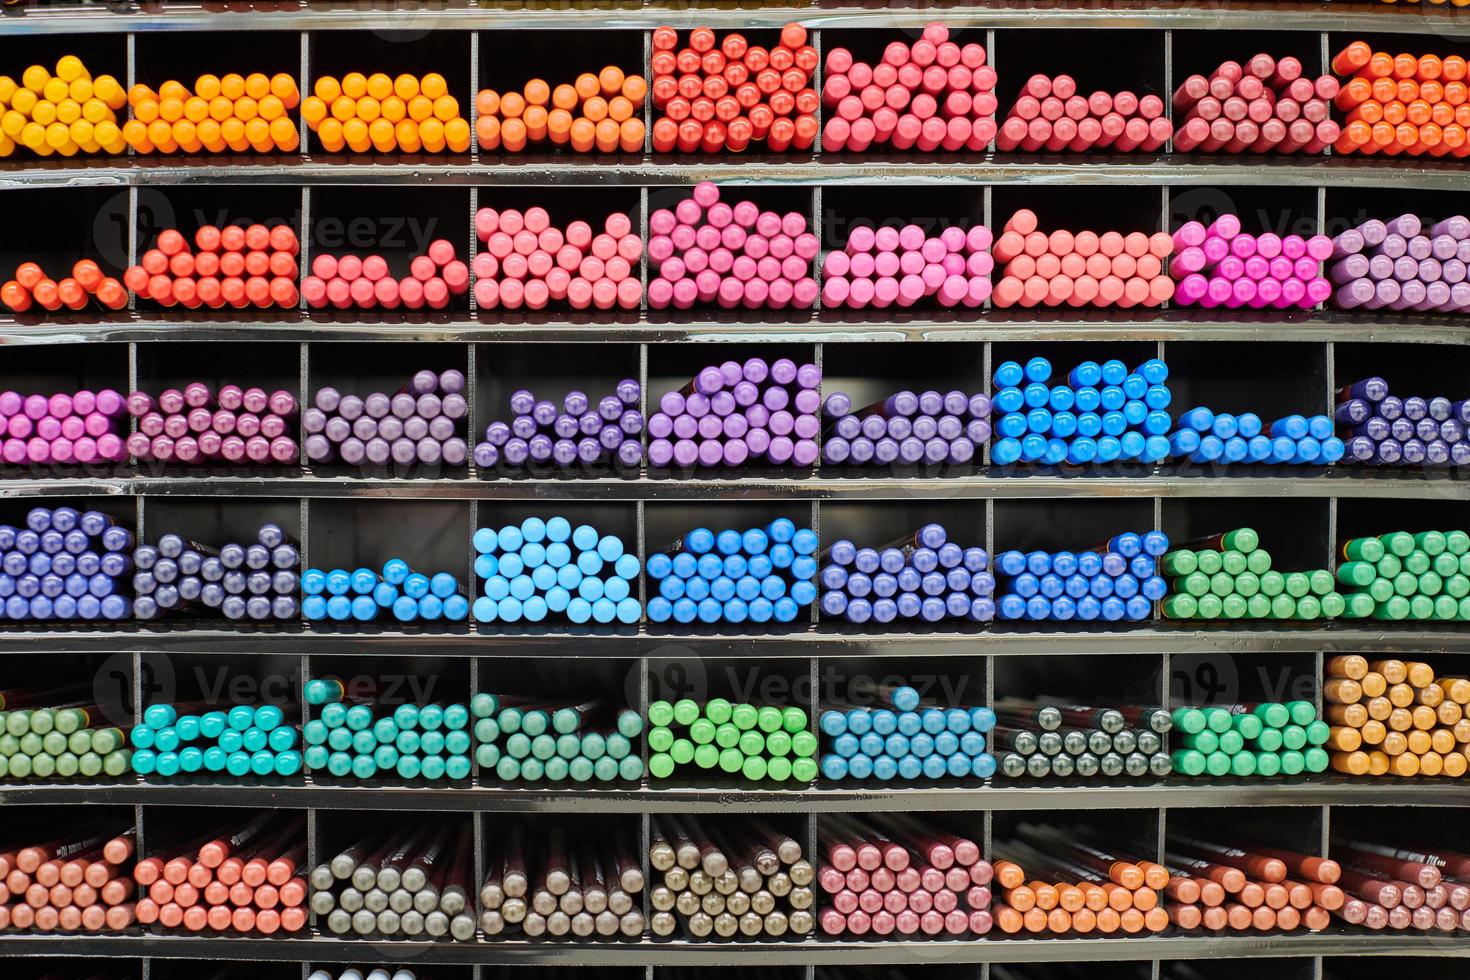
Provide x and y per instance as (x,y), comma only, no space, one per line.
(732,413)
(421,424)
(906,427)
(1404,265)
(923,576)
(65,565)
(1381,428)
(579,433)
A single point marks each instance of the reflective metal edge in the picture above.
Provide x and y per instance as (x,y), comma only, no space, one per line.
(794,952)
(1101,795)
(1141,169)
(1159,14)
(997,326)
(827,641)
(1356,483)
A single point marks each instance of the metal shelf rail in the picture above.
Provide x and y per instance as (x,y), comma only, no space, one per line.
(819,333)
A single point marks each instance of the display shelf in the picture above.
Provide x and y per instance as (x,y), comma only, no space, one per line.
(1101,795)
(824,641)
(721,328)
(613,15)
(793,952)
(1094,170)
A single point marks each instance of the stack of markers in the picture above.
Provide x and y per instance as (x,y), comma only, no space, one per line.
(258,581)
(1407,575)
(376,112)
(67,113)
(340,595)
(923,576)
(1266,105)
(727,880)
(243,741)
(1257,889)
(1403,264)
(733,412)
(66,428)
(1392,717)
(32,286)
(351,282)
(705,251)
(887,266)
(718,98)
(906,427)
(581,431)
(1266,739)
(906,741)
(1057,882)
(1117,581)
(1098,413)
(197,424)
(362,740)
(1413,431)
(420,423)
(763,742)
(406,881)
(931,94)
(555,740)
(919,881)
(1083,269)
(1051,737)
(243,882)
(527,261)
(1401,104)
(548,567)
(1401,888)
(1229,576)
(562,888)
(58,732)
(760,575)
(65,564)
(601,112)
(1050,116)
(235,266)
(1222,266)
(69,883)
(1203,436)
(229,112)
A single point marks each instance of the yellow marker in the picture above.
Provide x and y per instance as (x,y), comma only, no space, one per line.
(35,78)
(70,68)
(327,89)
(109,90)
